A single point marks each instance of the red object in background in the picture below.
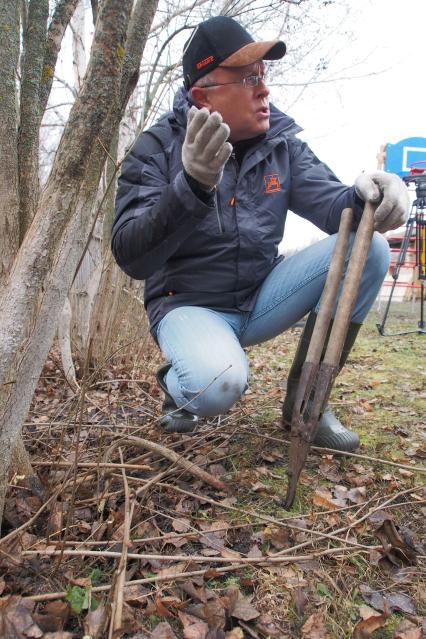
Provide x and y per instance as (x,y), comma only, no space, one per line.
(417,170)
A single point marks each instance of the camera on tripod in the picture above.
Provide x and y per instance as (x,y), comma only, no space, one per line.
(416,224)
(417,177)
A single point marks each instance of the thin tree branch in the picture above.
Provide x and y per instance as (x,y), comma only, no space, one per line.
(60,20)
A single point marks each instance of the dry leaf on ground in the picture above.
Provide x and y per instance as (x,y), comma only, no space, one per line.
(242,607)
(397,546)
(163,631)
(389,600)
(365,612)
(94,621)
(325,499)
(196,630)
(357,495)
(329,468)
(407,630)
(181,525)
(214,614)
(199,593)
(266,626)
(236,633)
(300,600)
(279,537)
(193,628)
(314,627)
(53,617)
(365,628)
(16,621)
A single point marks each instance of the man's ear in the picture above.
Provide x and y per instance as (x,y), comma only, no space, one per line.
(200,97)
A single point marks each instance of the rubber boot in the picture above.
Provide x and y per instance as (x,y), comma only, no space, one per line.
(175,420)
(330,433)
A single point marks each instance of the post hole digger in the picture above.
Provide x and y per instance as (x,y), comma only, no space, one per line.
(320,369)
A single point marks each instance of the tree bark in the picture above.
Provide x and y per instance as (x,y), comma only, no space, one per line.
(64,331)
(103,300)
(9,192)
(49,255)
(62,15)
(34,40)
(9,198)
(78,50)
(66,12)
(94,4)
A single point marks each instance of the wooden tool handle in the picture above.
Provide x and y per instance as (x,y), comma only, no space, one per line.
(351,283)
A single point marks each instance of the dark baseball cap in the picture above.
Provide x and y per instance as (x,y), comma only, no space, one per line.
(221,41)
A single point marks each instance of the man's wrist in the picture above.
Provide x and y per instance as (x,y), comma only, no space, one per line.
(204,193)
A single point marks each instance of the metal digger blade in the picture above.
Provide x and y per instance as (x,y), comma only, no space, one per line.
(305,420)
(318,376)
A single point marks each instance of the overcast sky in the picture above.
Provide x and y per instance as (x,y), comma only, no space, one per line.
(345,123)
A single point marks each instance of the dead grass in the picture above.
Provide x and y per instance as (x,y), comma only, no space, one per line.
(349,516)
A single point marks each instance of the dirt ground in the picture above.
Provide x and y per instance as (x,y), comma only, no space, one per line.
(122,535)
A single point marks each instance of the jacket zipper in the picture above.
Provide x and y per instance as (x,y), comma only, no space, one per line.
(219,212)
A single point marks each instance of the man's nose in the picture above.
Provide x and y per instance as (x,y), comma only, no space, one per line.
(261,90)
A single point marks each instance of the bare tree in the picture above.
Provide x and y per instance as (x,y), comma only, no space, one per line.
(41,275)
(21,113)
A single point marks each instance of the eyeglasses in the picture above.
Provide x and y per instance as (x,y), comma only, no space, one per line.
(248,82)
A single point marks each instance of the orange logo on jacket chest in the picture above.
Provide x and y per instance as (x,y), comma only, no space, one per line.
(272,183)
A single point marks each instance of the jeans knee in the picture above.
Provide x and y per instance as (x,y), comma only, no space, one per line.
(379,256)
(218,396)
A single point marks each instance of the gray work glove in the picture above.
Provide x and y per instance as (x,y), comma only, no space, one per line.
(391,192)
(205,150)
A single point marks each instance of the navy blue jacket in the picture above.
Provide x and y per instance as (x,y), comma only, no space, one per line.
(216,253)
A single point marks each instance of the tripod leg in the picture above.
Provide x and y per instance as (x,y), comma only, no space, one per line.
(421,257)
(400,261)
(422,299)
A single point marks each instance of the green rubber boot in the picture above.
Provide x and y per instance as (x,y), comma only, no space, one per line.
(175,420)
(330,433)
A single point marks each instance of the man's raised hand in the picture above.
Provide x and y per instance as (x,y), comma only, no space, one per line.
(205,150)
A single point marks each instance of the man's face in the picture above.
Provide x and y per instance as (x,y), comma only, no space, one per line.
(245,109)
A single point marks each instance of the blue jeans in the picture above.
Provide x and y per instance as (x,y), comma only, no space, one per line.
(209,370)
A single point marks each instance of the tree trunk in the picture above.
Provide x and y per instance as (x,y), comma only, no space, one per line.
(64,331)
(65,11)
(9,199)
(34,38)
(82,295)
(40,51)
(62,15)
(9,193)
(102,303)
(104,318)
(49,255)
(78,50)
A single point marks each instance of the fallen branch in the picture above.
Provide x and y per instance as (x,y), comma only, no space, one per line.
(165,538)
(175,459)
(50,596)
(65,464)
(201,558)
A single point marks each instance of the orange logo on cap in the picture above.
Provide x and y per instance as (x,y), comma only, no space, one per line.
(203,63)
(272,183)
